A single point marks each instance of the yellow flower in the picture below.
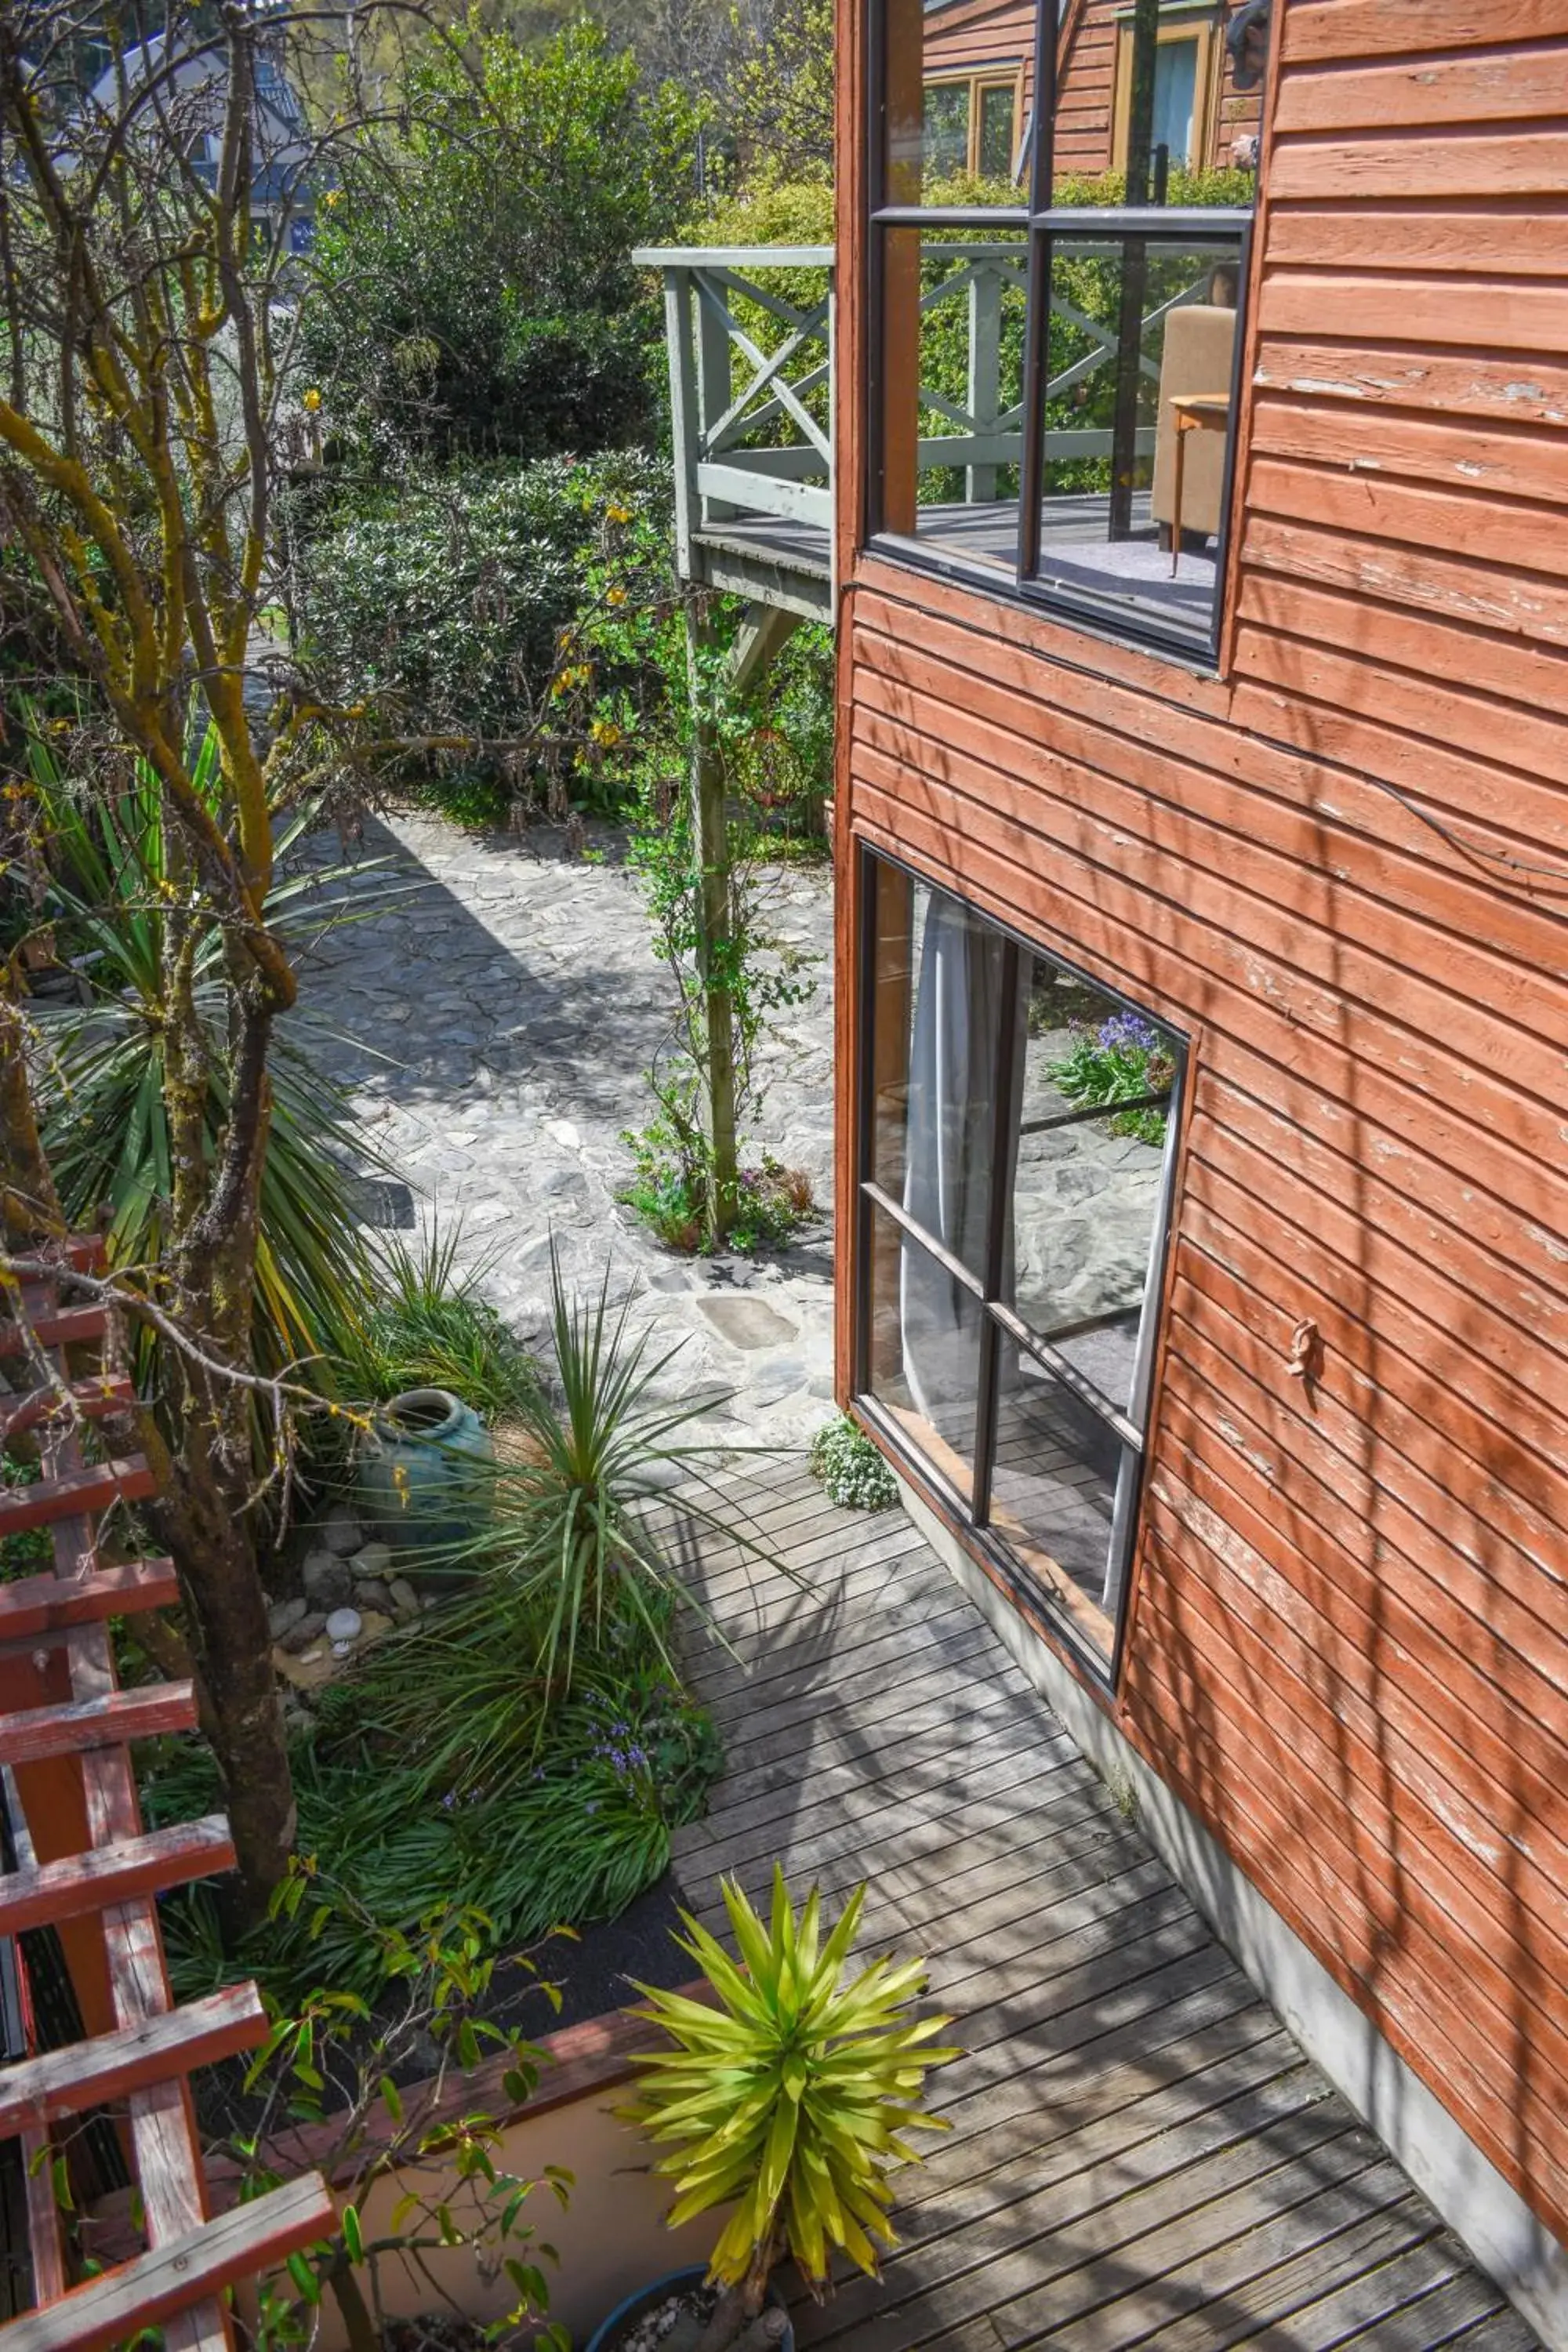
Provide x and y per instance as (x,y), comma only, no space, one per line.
(313,401)
(606,735)
(617,596)
(332,196)
(619,514)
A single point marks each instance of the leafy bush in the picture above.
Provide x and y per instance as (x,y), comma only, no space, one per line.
(854,1474)
(450,604)
(477,293)
(669,1191)
(1122,1060)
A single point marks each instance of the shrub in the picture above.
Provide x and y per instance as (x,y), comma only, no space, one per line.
(477,291)
(534,1814)
(786,2097)
(445,603)
(854,1474)
(430,1326)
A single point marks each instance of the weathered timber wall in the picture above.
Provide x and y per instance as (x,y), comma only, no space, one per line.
(1341,866)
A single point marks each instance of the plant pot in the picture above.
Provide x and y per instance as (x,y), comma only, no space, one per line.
(608,2335)
(424,1476)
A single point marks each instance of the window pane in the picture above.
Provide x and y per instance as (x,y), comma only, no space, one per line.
(924,1364)
(998,109)
(1053,1491)
(1086,1192)
(953,369)
(936,1039)
(945,147)
(928,81)
(1172,387)
(1176,97)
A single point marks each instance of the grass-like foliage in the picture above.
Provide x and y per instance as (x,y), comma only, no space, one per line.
(430,1326)
(853,1474)
(116,890)
(790,2096)
(549,1815)
(1124,1060)
(571,1546)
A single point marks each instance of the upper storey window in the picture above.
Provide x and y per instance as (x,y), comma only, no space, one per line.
(1056,345)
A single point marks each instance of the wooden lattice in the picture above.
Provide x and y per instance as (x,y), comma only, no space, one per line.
(143,2064)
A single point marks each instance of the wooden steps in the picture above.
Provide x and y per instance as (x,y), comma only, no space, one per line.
(140,2065)
(50,1606)
(102,1394)
(37,2091)
(75,1493)
(107,1722)
(187,2271)
(52,1891)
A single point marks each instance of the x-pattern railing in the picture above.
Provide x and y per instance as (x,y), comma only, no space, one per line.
(728,390)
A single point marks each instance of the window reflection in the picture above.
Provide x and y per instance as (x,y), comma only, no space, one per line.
(1015,1174)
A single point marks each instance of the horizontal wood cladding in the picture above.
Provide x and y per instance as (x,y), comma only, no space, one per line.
(1340,866)
(1350,1645)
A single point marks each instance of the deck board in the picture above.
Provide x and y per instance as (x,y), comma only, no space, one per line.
(1139,2155)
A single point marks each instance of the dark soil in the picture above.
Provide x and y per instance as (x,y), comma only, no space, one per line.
(594,1971)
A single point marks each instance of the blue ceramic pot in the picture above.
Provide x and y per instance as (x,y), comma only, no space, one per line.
(607,2334)
(423,1477)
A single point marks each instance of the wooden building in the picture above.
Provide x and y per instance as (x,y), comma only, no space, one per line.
(979,75)
(1203,856)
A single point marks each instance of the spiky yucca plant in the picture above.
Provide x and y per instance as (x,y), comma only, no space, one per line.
(790,2097)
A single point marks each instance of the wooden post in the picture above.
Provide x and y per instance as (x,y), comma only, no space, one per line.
(1130,323)
(984,395)
(903,117)
(714,380)
(710,865)
(678,300)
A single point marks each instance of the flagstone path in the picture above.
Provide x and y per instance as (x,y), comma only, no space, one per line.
(494,1023)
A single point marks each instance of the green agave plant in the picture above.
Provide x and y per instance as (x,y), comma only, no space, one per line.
(114,885)
(790,2097)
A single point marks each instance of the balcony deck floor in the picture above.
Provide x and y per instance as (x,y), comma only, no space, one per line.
(1139,2154)
(1129,578)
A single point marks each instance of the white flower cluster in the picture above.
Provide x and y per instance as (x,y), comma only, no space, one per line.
(853,1472)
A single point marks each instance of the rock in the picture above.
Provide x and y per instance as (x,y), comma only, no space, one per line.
(370,1592)
(307,1673)
(748,1323)
(374,1627)
(373,1560)
(342,1533)
(284,1615)
(306,1630)
(404,1600)
(343,1628)
(326,1579)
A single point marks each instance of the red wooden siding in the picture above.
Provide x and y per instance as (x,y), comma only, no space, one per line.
(1342,868)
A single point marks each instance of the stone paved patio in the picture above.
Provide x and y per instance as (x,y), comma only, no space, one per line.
(494,1024)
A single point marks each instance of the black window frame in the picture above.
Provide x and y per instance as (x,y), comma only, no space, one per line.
(1130,1427)
(1042,224)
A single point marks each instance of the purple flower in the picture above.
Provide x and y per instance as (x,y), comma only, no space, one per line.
(1129,1032)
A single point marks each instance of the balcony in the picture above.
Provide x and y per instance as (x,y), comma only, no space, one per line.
(1113,508)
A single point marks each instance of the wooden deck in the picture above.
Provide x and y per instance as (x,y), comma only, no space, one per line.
(1140,2154)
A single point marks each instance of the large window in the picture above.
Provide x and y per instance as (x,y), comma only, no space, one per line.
(1054,383)
(1016,1138)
